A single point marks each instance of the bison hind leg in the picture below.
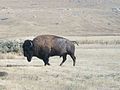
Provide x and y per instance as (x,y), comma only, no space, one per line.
(74,59)
(64,59)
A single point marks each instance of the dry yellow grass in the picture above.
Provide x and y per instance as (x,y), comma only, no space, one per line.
(10,56)
(7,56)
(96,69)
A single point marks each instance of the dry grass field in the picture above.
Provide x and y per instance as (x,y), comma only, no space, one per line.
(96,69)
(95,24)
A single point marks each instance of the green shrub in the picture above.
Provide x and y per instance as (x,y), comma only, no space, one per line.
(10,46)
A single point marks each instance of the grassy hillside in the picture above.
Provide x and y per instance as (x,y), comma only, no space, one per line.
(62,17)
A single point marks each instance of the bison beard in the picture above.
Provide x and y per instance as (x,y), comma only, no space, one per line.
(45,46)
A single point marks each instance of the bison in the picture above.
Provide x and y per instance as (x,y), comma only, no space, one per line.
(45,46)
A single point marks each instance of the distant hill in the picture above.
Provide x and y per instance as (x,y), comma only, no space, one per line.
(62,17)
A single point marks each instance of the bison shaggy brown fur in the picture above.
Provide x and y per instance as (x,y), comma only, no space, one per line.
(45,46)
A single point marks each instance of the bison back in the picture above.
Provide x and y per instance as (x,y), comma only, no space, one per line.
(54,44)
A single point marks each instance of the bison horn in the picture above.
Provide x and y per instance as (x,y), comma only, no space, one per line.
(31,44)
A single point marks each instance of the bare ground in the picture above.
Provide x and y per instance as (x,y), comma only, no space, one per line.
(96,69)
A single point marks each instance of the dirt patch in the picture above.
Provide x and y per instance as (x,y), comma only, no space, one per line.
(2,87)
(23,65)
(3,74)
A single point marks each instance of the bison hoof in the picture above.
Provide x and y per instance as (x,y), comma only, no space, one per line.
(47,64)
(60,64)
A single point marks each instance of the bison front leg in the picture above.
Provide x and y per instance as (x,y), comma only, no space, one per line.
(46,61)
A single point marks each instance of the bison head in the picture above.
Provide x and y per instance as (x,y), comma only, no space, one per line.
(28,49)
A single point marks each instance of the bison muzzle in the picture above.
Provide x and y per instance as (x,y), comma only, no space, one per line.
(45,46)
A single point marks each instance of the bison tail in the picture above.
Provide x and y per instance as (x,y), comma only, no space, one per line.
(75,42)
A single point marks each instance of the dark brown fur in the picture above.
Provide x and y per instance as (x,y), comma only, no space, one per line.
(45,46)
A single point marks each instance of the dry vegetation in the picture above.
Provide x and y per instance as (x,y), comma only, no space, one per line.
(94,70)
(97,68)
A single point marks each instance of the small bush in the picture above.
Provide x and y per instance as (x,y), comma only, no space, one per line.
(10,46)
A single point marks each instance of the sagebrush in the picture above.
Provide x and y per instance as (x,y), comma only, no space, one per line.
(11,46)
